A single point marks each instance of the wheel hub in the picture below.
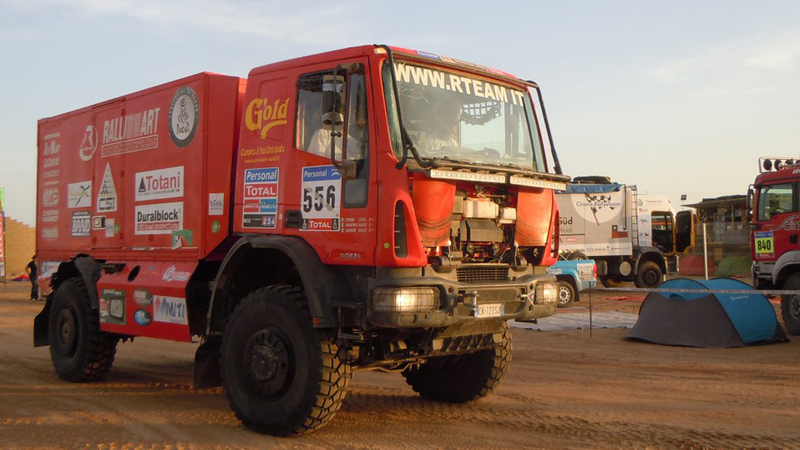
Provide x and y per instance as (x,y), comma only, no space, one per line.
(268,363)
(67,333)
(650,277)
(563,295)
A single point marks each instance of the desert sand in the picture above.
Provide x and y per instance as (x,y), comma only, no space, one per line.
(568,389)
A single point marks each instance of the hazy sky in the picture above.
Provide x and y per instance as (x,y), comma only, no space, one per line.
(678,97)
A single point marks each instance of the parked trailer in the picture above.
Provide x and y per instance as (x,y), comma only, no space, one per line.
(366,208)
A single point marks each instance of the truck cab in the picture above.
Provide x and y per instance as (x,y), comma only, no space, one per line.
(774,215)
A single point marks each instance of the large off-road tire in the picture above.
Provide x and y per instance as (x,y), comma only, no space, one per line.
(79,350)
(566,294)
(790,306)
(649,275)
(462,378)
(281,376)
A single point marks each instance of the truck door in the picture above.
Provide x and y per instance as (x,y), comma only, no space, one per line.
(332,165)
(683,233)
(662,230)
(777,218)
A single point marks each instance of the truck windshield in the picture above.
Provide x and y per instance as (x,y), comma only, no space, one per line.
(467,118)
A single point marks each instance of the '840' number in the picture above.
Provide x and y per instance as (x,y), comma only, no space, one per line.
(764,245)
(322,197)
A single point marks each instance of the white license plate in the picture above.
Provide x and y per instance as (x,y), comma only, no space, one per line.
(490,310)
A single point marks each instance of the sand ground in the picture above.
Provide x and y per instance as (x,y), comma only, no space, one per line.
(568,389)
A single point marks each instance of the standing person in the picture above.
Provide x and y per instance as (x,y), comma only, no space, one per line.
(33,270)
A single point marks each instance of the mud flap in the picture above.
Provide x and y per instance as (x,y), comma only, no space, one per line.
(206,364)
(41,324)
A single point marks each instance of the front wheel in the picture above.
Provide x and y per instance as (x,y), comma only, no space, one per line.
(462,378)
(281,375)
(790,306)
(566,294)
(649,275)
(79,350)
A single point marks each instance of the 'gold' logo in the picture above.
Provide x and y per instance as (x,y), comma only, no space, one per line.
(263,115)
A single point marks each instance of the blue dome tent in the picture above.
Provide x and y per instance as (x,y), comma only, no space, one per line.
(707,319)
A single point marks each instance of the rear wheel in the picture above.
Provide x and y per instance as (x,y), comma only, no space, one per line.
(790,306)
(462,378)
(281,375)
(79,350)
(566,294)
(649,275)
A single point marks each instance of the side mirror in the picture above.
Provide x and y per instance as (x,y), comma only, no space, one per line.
(749,204)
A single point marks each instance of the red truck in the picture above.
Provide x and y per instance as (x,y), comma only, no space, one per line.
(774,216)
(367,208)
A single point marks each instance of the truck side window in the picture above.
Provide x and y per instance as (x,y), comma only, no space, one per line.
(775,199)
(311,134)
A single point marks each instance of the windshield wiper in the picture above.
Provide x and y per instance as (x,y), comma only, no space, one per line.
(407,143)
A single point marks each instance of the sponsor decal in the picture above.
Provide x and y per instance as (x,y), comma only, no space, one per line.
(170,310)
(788,224)
(99,223)
(50,215)
(50,233)
(111,228)
(88,143)
(184,116)
(50,197)
(263,114)
(79,195)
(51,162)
(350,255)
(112,306)
(215,226)
(216,204)
(159,184)
(142,298)
(51,145)
(131,133)
(321,188)
(161,218)
(142,317)
(260,198)
(173,274)
(107,195)
(423,76)
(81,224)
(182,238)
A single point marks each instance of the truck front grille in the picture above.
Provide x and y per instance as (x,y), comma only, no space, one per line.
(482,273)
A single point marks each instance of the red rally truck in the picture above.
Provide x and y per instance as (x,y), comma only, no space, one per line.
(774,215)
(366,208)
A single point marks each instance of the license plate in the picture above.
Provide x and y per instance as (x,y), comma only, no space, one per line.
(490,310)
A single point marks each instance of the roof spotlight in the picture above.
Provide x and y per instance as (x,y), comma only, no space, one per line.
(767,165)
(778,164)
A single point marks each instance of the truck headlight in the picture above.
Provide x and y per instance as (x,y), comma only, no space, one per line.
(546,294)
(405,299)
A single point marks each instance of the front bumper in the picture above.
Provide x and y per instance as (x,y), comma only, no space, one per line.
(524,296)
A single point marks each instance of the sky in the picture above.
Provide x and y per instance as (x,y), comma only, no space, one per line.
(678,97)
